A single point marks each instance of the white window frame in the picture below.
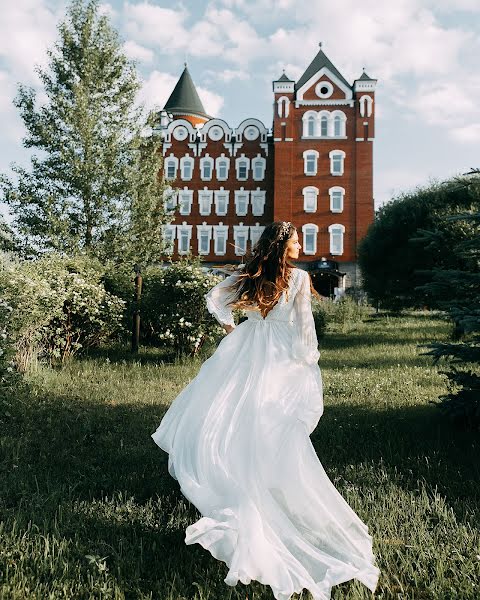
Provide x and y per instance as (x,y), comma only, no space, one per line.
(184,228)
(170,160)
(217,230)
(258,202)
(336,229)
(206,160)
(239,194)
(184,161)
(310,117)
(260,164)
(255,233)
(324,119)
(306,155)
(218,161)
(336,190)
(240,230)
(202,231)
(217,194)
(332,156)
(205,196)
(308,229)
(185,199)
(283,106)
(308,192)
(242,159)
(168,232)
(366,111)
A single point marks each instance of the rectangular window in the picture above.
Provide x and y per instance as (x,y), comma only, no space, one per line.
(221,204)
(310,241)
(336,241)
(258,174)
(337,201)
(311,127)
(242,204)
(242,171)
(338,127)
(169,234)
(258,203)
(204,243)
(222,170)
(187,170)
(337,163)
(324,127)
(310,201)
(171,170)
(184,203)
(183,241)
(241,243)
(207,170)
(311,164)
(221,243)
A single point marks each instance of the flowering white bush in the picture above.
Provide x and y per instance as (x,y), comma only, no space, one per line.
(59,307)
(7,370)
(173,306)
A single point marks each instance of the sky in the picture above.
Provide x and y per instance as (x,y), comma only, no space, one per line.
(424,54)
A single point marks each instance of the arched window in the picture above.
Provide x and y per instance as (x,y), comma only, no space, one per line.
(366,106)
(310,231)
(310,160)
(337,195)
(324,125)
(310,195)
(242,165)
(339,123)
(283,106)
(337,159)
(336,232)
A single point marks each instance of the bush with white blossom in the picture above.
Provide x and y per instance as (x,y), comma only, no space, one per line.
(60,307)
(173,306)
(7,369)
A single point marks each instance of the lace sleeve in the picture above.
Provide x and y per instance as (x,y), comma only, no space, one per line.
(305,343)
(217,301)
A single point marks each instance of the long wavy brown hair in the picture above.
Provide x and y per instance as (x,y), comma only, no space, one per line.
(267,270)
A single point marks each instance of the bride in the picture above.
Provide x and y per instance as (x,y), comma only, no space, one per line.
(238,438)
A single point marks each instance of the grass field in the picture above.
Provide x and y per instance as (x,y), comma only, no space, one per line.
(88,509)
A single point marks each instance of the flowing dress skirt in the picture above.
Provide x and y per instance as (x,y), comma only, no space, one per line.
(238,442)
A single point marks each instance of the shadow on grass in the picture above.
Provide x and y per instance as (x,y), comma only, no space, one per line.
(73,453)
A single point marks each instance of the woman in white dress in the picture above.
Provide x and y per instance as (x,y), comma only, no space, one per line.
(238,438)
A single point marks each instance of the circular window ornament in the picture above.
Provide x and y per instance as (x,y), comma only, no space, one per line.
(324,89)
(251,133)
(215,133)
(180,133)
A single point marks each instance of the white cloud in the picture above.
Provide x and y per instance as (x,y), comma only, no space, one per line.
(136,52)
(469,134)
(229,75)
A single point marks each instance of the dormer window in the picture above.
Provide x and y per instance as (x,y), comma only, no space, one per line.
(310,158)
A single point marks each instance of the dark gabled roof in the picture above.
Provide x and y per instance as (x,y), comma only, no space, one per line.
(284,78)
(320,61)
(365,77)
(184,99)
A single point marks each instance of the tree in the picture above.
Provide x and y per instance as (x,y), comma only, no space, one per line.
(391,256)
(86,178)
(457,291)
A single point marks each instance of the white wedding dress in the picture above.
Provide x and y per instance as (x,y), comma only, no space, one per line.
(238,442)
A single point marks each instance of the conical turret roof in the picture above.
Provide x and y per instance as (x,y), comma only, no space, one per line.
(184,99)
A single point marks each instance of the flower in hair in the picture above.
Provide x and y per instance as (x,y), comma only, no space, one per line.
(284,229)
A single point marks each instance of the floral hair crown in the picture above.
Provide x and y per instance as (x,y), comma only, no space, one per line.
(284,229)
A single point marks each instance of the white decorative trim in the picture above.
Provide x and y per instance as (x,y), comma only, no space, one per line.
(336,229)
(257,123)
(172,159)
(198,148)
(255,233)
(170,198)
(264,147)
(364,85)
(324,103)
(277,139)
(180,123)
(218,160)
(317,76)
(207,159)
(370,139)
(359,139)
(319,119)
(168,234)
(185,199)
(242,160)
(368,101)
(308,229)
(220,194)
(283,106)
(289,139)
(184,161)
(329,87)
(227,130)
(241,193)
(365,122)
(287,87)
(205,199)
(258,161)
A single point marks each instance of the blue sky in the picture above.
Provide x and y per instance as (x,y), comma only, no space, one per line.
(424,54)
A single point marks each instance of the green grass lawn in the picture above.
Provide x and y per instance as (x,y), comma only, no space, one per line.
(88,509)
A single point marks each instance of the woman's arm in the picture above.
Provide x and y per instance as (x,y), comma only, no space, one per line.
(217,302)
(305,343)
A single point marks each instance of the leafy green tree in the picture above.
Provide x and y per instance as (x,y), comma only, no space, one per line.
(391,256)
(457,291)
(86,185)
(8,243)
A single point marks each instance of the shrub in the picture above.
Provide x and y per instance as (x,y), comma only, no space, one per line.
(60,307)
(8,375)
(343,313)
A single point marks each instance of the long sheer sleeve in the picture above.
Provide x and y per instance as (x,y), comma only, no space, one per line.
(217,301)
(305,343)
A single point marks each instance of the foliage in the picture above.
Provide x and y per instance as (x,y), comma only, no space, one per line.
(343,313)
(60,307)
(7,368)
(457,291)
(93,184)
(391,257)
(173,305)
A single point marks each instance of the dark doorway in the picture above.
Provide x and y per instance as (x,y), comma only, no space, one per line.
(324,282)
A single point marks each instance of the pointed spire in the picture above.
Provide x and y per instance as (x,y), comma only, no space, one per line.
(321,60)
(184,99)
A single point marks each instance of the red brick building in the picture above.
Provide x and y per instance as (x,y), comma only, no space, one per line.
(314,168)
